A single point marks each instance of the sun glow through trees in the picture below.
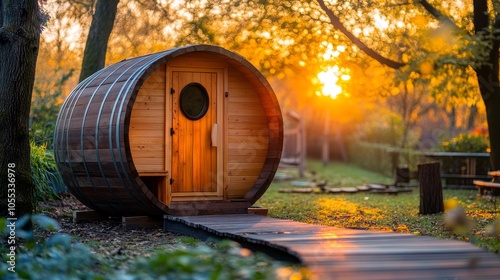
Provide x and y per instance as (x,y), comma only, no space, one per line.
(329,79)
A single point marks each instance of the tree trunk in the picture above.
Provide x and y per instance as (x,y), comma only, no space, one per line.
(431,190)
(94,55)
(487,76)
(471,120)
(492,103)
(19,42)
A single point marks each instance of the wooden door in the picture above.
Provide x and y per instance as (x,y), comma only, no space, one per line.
(194,131)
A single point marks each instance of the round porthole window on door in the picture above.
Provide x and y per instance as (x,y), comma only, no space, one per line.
(194,101)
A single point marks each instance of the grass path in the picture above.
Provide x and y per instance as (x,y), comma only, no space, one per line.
(369,211)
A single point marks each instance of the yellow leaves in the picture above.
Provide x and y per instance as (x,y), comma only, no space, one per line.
(402,229)
(347,214)
(405,58)
(420,21)
(451,203)
(426,67)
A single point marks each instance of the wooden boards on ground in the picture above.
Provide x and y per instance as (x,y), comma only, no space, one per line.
(336,253)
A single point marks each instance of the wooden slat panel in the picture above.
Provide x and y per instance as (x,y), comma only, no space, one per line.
(248,125)
(141,133)
(257,146)
(249,132)
(244,172)
(146,97)
(138,120)
(148,166)
(154,92)
(247,139)
(234,179)
(147,124)
(149,105)
(153,155)
(149,113)
(247,159)
(199,60)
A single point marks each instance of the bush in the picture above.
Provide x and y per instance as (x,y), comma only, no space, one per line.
(200,261)
(466,143)
(43,166)
(60,257)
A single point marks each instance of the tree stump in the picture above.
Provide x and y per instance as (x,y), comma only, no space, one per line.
(431,189)
(402,176)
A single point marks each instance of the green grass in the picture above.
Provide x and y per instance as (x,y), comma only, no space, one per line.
(364,210)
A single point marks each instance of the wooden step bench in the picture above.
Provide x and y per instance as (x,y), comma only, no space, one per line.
(484,184)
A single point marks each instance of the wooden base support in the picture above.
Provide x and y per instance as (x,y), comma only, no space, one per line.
(135,222)
(88,215)
(258,211)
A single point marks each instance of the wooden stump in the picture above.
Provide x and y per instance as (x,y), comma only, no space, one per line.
(402,176)
(431,189)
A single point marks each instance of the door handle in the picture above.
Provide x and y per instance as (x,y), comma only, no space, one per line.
(214,135)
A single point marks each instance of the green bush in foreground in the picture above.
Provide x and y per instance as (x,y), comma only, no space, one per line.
(60,257)
(43,166)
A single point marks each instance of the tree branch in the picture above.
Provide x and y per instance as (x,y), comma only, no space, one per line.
(370,52)
(438,15)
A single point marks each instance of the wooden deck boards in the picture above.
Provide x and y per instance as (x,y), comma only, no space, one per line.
(336,253)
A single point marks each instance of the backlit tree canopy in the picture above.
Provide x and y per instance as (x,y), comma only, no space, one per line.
(429,48)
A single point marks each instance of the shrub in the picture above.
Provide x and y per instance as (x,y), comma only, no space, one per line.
(227,260)
(43,166)
(60,257)
(466,143)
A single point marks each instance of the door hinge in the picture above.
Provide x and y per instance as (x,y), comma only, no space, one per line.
(172,90)
(171,181)
(172,131)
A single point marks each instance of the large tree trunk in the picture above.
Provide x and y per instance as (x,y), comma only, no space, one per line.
(94,55)
(491,98)
(488,78)
(19,42)
(492,103)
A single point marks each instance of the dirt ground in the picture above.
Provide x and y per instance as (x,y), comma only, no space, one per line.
(107,237)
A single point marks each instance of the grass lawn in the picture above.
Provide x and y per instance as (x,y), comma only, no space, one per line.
(364,210)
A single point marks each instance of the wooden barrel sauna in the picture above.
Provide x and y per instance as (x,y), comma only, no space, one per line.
(187,131)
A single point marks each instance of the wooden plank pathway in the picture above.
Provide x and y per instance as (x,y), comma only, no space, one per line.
(336,253)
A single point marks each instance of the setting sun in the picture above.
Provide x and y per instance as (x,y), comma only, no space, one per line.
(329,79)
